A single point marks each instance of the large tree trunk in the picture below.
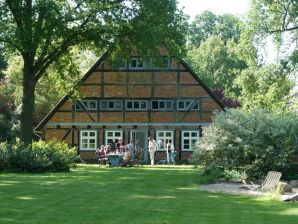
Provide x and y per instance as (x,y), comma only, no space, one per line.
(27,103)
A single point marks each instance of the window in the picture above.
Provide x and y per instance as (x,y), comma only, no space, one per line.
(137,63)
(88,140)
(136,105)
(112,136)
(111,105)
(187,105)
(189,139)
(119,64)
(86,104)
(163,138)
(162,105)
(161,63)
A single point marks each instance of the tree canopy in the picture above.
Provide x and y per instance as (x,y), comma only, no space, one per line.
(42,31)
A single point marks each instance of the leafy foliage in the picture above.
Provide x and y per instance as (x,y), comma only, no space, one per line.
(230,103)
(217,64)
(252,142)
(265,87)
(44,31)
(42,157)
(207,24)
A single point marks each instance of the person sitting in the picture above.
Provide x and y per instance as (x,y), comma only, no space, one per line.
(131,148)
(126,157)
(101,154)
(120,149)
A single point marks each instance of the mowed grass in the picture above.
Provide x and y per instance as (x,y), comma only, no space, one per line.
(90,194)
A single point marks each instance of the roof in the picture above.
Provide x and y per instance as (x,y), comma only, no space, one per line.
(89,72)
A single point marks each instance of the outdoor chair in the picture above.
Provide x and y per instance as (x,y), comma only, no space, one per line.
(103,161)
(269,184)
(138,157)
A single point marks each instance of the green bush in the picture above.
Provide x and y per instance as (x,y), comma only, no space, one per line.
(4,156)
(41,157)
(252,142)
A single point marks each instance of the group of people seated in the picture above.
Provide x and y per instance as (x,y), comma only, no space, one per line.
(126,152)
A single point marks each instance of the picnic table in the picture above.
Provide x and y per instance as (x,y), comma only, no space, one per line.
(114,159)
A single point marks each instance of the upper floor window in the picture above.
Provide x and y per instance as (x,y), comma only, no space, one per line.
(119,64)
(136,105)
(162,105)
(86,105)
(183,105)
(137,63)
(111,105)
(160,63)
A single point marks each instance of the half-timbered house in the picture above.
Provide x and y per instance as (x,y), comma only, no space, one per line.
(133,100)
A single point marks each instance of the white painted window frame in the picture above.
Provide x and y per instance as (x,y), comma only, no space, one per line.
(185,108)
(164,138)
(111,109)
(190,138)
(137,59)
(136,109)
(86,104)
(162,109)
(88,138)
(114,137)
(155,66)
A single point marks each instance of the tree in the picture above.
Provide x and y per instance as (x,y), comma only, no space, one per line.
(207,24)
(42,31)
(217,64)
(266,87)
(279,19)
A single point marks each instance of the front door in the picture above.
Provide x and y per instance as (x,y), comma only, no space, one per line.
(140,139)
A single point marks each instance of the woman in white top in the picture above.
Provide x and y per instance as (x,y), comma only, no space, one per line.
(170,152)
(152,145)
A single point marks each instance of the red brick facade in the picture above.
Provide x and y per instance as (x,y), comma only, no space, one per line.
(173,86)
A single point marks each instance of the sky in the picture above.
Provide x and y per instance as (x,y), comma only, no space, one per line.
(195,7)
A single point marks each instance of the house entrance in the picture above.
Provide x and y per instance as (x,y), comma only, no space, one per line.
(140,139)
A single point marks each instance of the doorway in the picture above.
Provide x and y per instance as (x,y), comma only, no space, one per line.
(140,139)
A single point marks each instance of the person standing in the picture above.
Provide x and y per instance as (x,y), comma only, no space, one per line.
(152,145)
(170,152)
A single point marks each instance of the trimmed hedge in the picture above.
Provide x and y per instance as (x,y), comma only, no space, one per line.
(252,143)
(41,157)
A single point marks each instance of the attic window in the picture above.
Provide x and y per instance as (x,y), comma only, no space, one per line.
(162,105)
(184,105)
(86,105)
(111,105)
(160,63)
(136,63)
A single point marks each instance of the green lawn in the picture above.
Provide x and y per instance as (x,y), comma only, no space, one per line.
(90,194)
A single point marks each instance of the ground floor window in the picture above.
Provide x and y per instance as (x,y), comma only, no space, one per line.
(113,136)
(163,138)
(189,139)
(88,140)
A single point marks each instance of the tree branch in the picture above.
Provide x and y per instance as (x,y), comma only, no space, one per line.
(57,52)
(283,30)
(15,14)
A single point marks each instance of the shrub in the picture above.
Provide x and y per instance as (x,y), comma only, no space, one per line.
(4,155)
(252,142)
(42,157)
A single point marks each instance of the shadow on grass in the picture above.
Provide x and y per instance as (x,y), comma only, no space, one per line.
(90,194)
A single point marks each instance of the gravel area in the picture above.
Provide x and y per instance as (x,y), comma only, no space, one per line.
(229,188)
(235,188)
